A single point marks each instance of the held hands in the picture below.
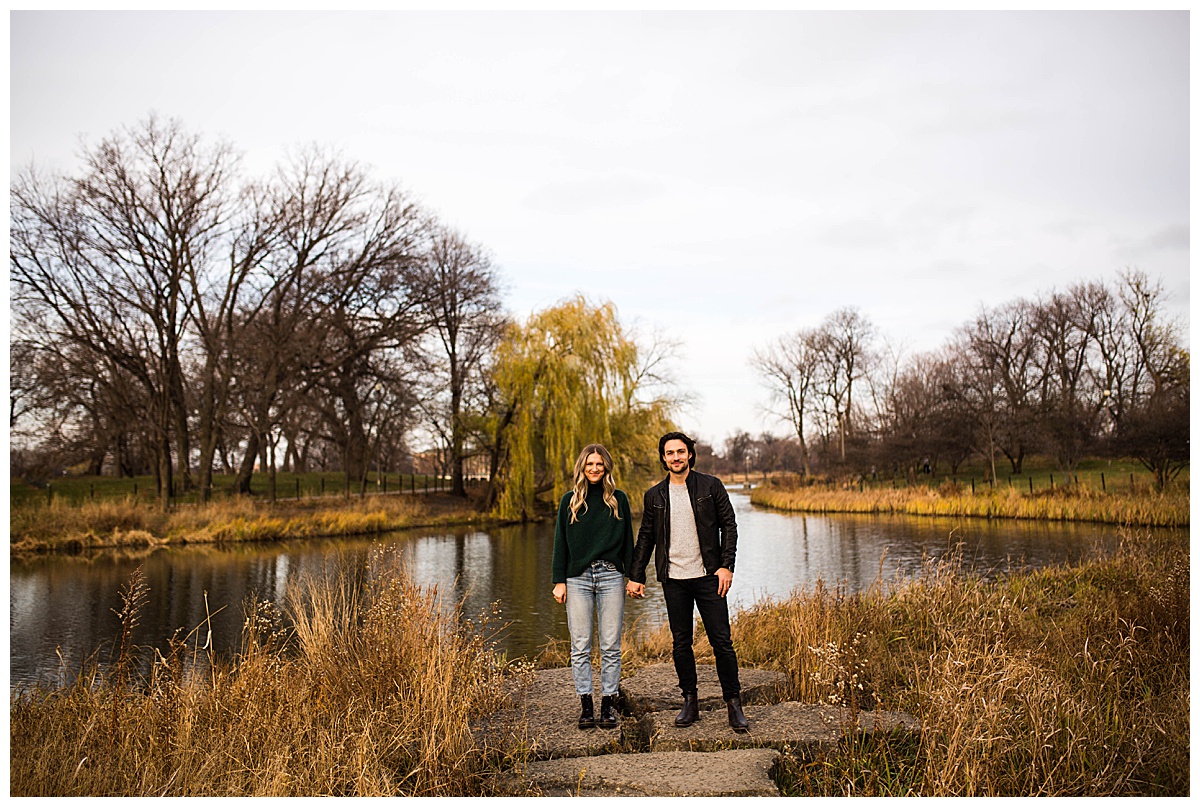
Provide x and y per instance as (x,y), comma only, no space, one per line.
(560,592)
(724,581)
(635,590)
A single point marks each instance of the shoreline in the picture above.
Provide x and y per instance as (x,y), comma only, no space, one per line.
(1065,504)
(123,525)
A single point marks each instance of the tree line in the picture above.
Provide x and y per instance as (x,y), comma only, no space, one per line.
(1096,369)
(173,317)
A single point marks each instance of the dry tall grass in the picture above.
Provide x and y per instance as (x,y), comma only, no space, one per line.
(369,695)
(1067,503)
(1070,681)
(1066,681)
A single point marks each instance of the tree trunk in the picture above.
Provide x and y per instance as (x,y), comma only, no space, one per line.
(241,485)
(271,470)
(182,436)
(457,487)
(354,452)
(208,444)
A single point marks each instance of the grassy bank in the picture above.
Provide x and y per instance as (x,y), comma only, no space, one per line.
(127,523)
(366,697)
(1069,681)
(1145,507)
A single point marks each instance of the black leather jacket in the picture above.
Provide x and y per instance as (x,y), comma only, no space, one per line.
(715,526)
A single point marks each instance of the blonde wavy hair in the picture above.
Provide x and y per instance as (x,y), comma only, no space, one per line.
(579,493)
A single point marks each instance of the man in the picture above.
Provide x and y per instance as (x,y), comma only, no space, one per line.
(688,524)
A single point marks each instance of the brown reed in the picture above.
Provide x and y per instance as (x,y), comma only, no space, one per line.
(1067,681)
(371,694)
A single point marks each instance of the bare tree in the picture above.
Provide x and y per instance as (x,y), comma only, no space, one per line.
(1063,328)
(460,288)
(1000,344)
(846,354)
(1157,428)
(101,261)
(1115,366)
(791,367)
(219,292)
(977,390)
(333,290)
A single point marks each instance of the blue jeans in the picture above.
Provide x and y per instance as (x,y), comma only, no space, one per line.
(600,590)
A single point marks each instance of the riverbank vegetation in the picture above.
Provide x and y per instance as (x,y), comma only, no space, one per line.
(370,694)
(62,526)
(1137,507)
(1065,681)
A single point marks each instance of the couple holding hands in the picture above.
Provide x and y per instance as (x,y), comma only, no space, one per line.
(688,525)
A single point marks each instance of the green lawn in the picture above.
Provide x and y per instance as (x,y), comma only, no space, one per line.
(78,489)
(1100,474)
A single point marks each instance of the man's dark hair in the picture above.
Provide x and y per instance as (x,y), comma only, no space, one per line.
(687,441)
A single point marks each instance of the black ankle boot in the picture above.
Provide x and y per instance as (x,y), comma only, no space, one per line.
(690,712)
(587,713)
(737,719)
(608,712)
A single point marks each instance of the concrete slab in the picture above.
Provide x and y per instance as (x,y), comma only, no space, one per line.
(544,720)
(789,725)
(656,687)
(672,773)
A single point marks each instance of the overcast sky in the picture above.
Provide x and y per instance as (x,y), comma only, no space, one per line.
(726,177)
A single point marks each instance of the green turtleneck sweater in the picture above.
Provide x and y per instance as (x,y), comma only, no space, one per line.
(595,535)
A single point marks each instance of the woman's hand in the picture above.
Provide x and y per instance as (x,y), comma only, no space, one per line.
(635,590)
(560,592)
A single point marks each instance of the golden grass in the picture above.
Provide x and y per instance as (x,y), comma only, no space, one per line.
(1070,503)
(125,523)
(370,694)
(1069,681)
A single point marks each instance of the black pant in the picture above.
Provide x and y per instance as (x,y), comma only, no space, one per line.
(701,592)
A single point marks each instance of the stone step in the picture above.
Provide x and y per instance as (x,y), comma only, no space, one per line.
(746,772)
(791,725)
(656,687)
(544,718)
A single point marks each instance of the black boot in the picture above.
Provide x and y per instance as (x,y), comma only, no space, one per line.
(690,712)
(587,714)
(608,712)
(737,719)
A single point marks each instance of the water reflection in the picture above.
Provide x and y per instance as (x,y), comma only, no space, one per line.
(65,606)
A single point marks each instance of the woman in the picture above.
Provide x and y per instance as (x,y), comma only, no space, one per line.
(593,549)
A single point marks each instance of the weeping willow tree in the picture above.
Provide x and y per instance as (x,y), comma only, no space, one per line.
(574,375)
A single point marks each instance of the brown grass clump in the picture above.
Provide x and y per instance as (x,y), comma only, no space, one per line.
(370,694)
(123,523)
(1068,681)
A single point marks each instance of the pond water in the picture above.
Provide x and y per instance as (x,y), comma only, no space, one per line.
(62,609)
